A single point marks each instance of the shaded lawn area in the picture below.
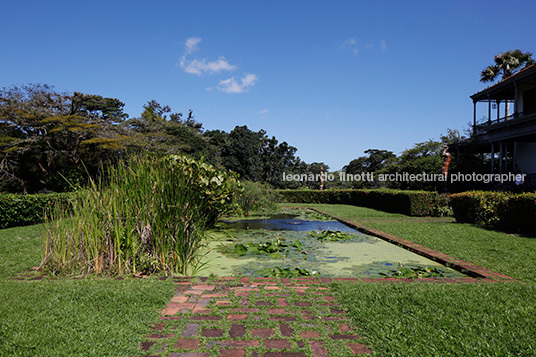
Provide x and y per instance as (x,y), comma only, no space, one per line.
(67,317)
(446,319)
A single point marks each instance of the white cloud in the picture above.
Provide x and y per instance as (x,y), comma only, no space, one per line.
(349,42)
(383,45)
(351,45)
(264,111)
(204,66)
(231,85)
(191,45)
(200,66)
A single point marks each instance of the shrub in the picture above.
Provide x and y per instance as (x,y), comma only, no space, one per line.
(519,213)
(217,189)
(148,217)
(256,197)
(413,203)
(23,210)
(478,207)
(496,209)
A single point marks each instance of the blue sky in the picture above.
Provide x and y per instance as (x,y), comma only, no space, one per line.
(332,78)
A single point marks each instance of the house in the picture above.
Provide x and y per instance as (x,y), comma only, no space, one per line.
(504,138)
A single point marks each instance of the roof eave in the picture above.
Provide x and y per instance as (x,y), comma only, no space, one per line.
(485,94)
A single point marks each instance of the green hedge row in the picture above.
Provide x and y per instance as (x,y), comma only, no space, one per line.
(23,210)
(496,209)
(412,203)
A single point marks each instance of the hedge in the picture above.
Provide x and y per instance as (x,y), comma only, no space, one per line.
(501,210)
(23,210)
(519,213)
(412,203)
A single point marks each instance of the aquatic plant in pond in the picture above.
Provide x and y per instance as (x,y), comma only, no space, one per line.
(306,214)
(414,272)
(274,248)
(150,216)
(286,272)
(286,245)
(331,236)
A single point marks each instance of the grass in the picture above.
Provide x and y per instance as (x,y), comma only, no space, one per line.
(446,319)
(148,217)
(443,319)
(68,317)
(508,254)
(91,316)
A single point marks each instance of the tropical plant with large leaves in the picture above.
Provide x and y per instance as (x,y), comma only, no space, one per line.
(506,64)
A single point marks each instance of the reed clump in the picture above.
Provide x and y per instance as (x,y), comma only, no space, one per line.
(149,216)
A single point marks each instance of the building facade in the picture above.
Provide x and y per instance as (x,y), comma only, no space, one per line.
(504,128)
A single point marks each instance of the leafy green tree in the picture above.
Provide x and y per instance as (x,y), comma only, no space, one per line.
(49,140)
(160,131)
(242,153)
(423,157)
(277,158)
(506,64)
(253,155)
(373,162)
(98,107)
(315,169)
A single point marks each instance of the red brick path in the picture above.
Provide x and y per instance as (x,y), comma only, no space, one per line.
(265,317)
(272,317)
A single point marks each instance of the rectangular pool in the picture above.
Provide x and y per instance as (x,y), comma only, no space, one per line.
(304,243)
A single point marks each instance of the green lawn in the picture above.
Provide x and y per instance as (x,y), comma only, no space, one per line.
(443,319)
(446,319)
(69,317)
(508,254)
(103,316)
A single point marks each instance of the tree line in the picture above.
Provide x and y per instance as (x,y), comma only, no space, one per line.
(54,142)
(51,141)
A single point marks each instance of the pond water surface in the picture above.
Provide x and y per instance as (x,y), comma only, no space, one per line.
(260,246)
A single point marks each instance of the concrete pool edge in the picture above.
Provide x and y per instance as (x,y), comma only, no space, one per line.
(473,270)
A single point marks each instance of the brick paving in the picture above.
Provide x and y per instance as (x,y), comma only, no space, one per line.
(261,317)
(276,317)
(257,317)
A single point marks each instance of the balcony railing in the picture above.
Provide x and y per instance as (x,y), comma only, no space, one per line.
(484,124)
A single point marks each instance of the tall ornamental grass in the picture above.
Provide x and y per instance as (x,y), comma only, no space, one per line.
(257,197)
(148,217)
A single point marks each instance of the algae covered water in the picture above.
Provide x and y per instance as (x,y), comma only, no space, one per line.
(305,243)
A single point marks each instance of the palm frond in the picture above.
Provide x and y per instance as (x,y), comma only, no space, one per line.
(489,74)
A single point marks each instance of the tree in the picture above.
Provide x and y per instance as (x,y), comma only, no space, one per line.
(373,162)
(156,132)
(316,169)
(253,155)
(423,157)
(452,136)
(277,159)
(242,153)
(98,107)
(506,64)
(47,137)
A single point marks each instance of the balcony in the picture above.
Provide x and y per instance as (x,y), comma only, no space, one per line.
(516,125)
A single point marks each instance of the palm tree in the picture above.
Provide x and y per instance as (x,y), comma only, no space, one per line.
(506,64)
